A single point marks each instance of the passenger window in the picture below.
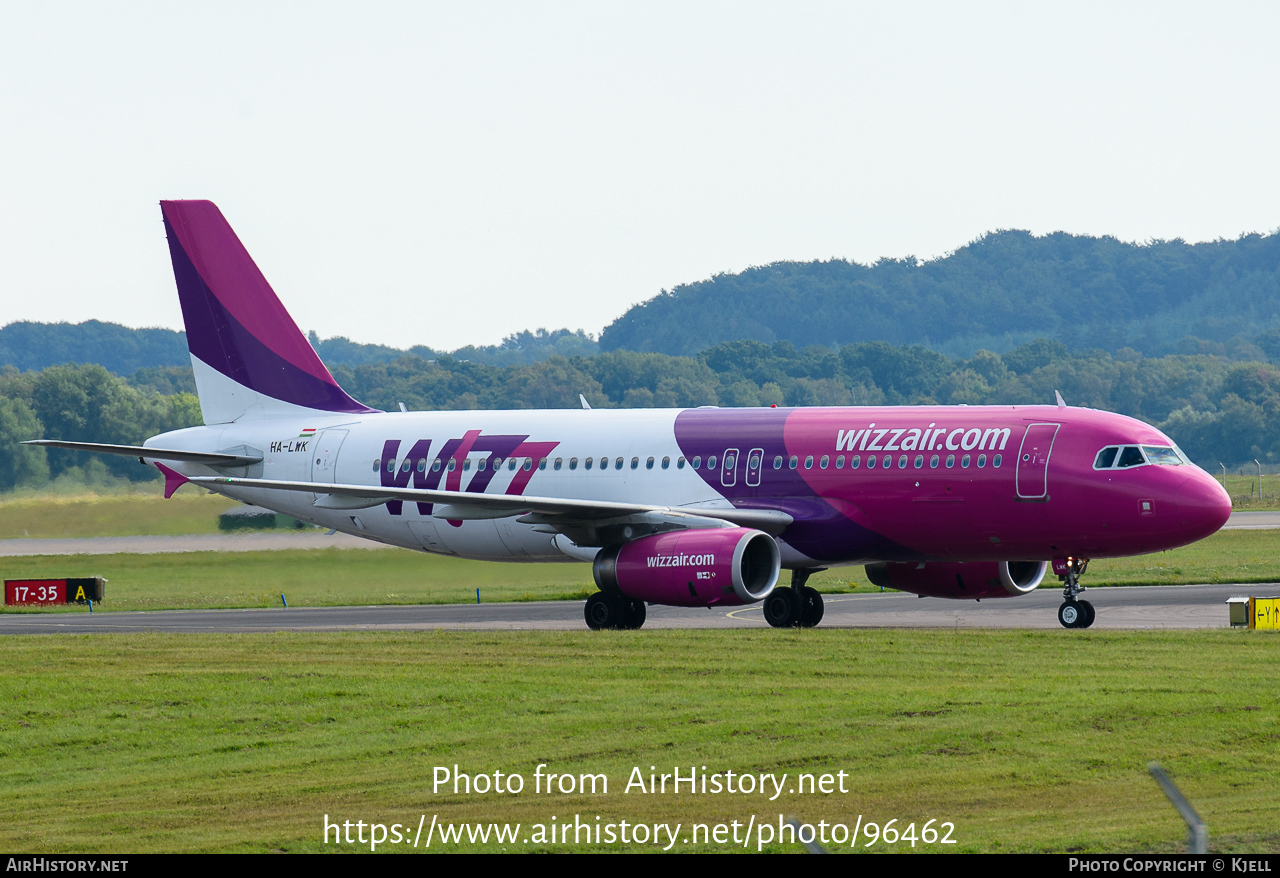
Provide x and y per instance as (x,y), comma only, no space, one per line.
(435,465)
(951,461)
(391,465)
(617,464)
(586,463)
(635,462)
(496,462)
(982,461)
(679,463)
(793,462)
(511,464)
(404,467)
(777,462)
(559,461)
(711,462)
(871,461)
(964,462)
(840,462)
(902,462)
(995,462)
(808,462)
(826,459)
(666,463)
(888,461)
(542,464)
(422,464)
(648,464)
(919,461)
(933,462)
(696,463)
(1106,457)
(573,463)
(480,464)
(453,464)
(1131,455)
(855,461)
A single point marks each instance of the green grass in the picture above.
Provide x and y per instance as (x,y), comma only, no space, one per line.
(1227,556)
(142,512)
(335,577)
(1244,489)
(307,577)
(1026,740)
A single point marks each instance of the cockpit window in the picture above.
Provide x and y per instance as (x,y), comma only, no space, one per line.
(1122,456)
(1162,455)
(1130,455)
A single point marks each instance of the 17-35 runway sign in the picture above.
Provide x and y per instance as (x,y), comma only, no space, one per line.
(20,592)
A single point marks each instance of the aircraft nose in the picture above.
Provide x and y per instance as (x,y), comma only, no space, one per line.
(1203,505)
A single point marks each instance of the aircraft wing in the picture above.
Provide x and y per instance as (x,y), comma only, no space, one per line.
(558,513)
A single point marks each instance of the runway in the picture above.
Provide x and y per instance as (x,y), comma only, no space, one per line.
(1146,607)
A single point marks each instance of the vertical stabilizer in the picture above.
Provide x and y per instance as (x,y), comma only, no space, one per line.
(250,359)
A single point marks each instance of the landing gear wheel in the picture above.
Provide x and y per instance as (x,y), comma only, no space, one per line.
(810,607)
(603,611)
(780,608)
(633,614)
(1071,614)
(1089,615)
(1074,613)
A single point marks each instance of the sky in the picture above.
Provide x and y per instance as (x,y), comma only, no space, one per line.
(450,174)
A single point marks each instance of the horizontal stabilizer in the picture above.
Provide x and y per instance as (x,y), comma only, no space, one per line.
(140,451)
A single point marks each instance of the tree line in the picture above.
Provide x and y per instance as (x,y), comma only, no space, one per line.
(998,292)
(1217,410)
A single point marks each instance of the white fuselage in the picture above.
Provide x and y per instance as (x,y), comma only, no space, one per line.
(353,450)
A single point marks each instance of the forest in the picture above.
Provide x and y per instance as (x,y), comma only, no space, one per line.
(1183,336)
(995,293)
(1218,410)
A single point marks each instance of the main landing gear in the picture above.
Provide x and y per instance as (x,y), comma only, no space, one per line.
(1075,613)
(614,611)
(796,607)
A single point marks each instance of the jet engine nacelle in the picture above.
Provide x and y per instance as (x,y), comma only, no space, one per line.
(974,579)
(692,568)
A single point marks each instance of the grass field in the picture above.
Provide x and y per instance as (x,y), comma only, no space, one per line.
(333,577)
(140,512)
(1244,492)
(1026,741)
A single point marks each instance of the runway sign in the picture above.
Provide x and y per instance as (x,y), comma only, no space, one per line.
(31,592)
(1264,614)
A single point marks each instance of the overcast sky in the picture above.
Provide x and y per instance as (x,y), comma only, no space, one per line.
(447,174)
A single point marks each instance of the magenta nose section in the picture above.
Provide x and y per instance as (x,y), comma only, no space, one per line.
(1203,506)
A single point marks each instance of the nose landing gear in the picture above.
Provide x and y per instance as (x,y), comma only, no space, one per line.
(1074,613)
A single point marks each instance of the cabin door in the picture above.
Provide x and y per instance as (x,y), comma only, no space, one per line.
(324,461)
(1032,478)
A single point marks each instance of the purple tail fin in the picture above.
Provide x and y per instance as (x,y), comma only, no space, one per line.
(237,329)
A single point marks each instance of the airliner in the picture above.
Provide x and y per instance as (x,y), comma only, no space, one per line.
(697,507)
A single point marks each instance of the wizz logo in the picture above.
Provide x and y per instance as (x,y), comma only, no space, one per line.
(397,472)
